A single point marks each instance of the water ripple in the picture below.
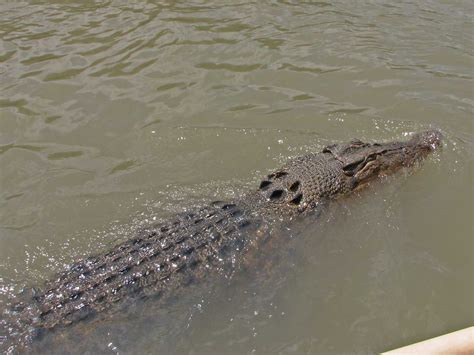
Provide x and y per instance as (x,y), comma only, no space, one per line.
(102,100)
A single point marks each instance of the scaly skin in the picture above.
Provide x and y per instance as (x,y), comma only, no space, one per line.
(214,239)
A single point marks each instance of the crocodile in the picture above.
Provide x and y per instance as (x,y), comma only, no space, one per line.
(214,239)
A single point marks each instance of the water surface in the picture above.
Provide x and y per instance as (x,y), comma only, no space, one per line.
(114,114)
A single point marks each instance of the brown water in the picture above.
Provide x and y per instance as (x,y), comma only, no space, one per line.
(115,113)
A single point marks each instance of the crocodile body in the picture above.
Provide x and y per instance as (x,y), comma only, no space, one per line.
(213,239)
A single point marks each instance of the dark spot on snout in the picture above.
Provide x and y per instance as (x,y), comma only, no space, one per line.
(297,200)
(264,184)
(295,186)
(276,194)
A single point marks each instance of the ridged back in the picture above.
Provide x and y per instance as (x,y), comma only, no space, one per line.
(155,262)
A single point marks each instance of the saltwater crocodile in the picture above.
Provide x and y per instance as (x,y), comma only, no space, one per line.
(213,239)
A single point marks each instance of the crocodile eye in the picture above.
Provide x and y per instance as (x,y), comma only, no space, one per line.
(276,194)
(370,158)
(294,187)
(297,199)
(264,184)
(350,168)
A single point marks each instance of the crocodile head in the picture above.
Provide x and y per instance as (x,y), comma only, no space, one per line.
(341,168)
(362,162)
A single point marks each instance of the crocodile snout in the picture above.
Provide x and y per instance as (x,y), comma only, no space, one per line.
(429,139)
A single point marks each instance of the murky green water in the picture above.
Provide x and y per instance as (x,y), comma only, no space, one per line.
(115,113)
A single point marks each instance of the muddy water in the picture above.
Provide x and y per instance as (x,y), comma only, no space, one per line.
(117,113)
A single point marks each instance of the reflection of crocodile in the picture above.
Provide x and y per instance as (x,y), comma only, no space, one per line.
(214,239)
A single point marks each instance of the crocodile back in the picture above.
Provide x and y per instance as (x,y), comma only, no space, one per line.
(151,264)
